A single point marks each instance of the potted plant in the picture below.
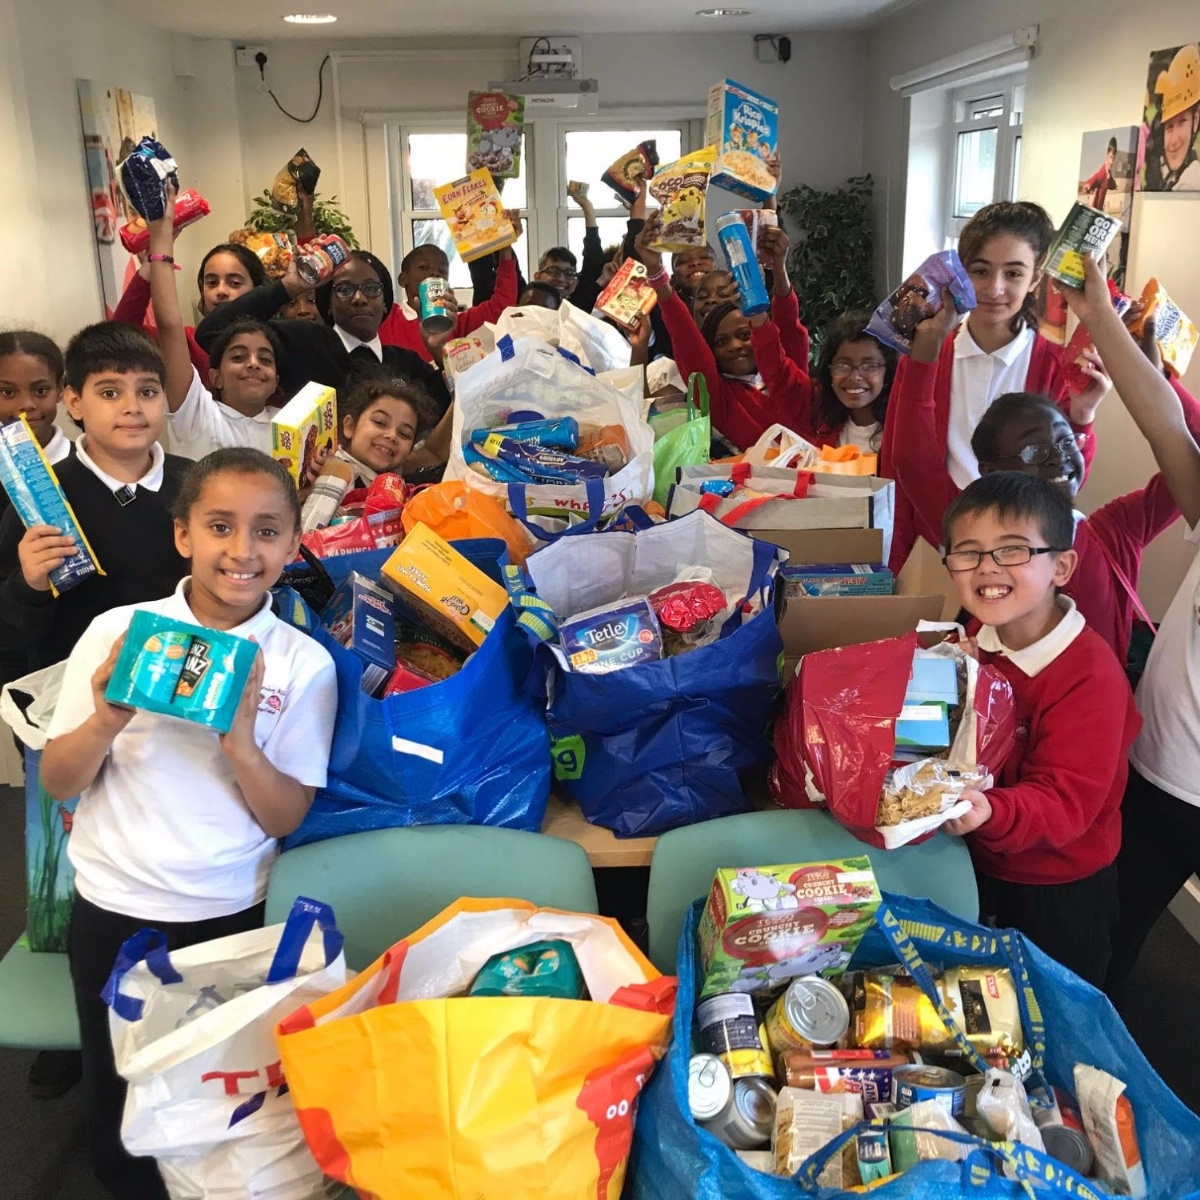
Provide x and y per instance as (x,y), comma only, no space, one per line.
(831,264)
(267,217)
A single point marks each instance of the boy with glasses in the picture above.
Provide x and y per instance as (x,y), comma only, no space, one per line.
(1045,839)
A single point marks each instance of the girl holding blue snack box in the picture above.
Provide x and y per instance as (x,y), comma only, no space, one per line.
(177,824)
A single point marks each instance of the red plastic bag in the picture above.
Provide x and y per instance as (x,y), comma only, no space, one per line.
(836,736)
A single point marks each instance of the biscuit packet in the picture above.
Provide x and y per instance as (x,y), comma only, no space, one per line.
(274,250)
(495,122)
(681,189)
(1175,334)
(299,169)
(895,321)
(626,174)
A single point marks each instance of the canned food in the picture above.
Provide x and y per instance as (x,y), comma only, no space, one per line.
(709,1086)
(812,1012)
(436,315)
(1062,1131)
(916,1083)
(748,1120)
(729,1029)
(317,261)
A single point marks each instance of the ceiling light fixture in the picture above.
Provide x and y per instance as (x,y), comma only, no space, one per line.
(722,12)
(311,18)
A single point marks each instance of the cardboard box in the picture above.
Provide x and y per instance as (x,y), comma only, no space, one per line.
(304,426)
(744,127)
(837,579)
(923,727)
(810,547)
(474,213)
(359,616)
(628,295)
(441,589)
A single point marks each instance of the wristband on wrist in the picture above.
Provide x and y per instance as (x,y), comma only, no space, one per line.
(659,277)
(163,258)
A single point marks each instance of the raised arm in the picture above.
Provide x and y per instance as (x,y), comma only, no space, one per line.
(172,340)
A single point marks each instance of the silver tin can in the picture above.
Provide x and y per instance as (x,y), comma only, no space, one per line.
(710,1086)
(748,1120)
(812,1012)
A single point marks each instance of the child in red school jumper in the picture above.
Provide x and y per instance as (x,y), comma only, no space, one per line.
(402,325)
(752,384)
(1044,839)
(853,383)
(995,351)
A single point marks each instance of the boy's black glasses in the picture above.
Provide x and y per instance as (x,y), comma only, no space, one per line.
(1038,454)
(1002,556)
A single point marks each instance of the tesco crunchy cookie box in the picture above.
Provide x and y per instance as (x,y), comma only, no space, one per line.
(744,127)
(764,926)
(304,426)
(181,670)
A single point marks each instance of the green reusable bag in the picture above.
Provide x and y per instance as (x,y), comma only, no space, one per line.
(686,445)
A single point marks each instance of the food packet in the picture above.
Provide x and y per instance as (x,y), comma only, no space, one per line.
(559,433)
(274,250)
(925,789)
(626,174)
(895,321)
(1108,1122)
(504,456)
(299,169)
(495,121)
(190,206)
(805,1121)
(686,610)
(422,650)
(144,175)
(681,189)
(1175,334)
(545,969)
(912,1143)
(1081,340)
(608,444)
(1002,1103)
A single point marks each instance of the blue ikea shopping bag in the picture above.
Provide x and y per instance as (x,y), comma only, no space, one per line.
(661,744)
(468,750)
(1068,1022)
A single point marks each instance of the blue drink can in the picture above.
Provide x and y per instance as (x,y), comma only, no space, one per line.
(436,314)
(742,258)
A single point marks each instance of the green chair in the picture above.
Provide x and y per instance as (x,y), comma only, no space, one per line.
(384,884)
(685,861)
(37,1002)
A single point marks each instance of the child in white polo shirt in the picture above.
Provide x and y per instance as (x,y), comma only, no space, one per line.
(177,825)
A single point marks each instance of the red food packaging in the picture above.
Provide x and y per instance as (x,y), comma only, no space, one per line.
(190,206)
(681,607)
(406,679)
(1073,375)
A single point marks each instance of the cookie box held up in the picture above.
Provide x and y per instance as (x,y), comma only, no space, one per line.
(763,926)
(303,427)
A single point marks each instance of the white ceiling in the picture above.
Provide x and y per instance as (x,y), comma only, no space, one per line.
(262,19)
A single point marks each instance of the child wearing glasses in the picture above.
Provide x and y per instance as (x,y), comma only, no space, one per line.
(1044,840)
(854,379)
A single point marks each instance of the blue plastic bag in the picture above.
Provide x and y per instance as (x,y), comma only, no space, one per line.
(661,744)
(469,750)
(1071,1022)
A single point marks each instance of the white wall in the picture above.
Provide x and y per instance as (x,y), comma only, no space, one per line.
(50,272)
(1089,72)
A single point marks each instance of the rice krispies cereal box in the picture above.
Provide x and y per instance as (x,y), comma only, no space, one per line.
(474,213)
(303,427)
(764,926)
(744,127)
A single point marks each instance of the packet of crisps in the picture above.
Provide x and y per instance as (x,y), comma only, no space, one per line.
(1175,334)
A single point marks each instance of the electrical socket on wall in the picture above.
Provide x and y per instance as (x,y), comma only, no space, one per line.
(244,55)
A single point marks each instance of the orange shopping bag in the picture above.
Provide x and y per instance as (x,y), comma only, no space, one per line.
(406,1087)
(454,512)
(846,460)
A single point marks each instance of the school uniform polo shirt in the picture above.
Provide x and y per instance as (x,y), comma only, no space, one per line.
(202,424)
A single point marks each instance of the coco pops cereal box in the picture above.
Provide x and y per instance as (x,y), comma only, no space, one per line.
(744,127)
(303,427)
(765,926)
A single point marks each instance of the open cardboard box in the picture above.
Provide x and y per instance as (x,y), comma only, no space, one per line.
(923,593)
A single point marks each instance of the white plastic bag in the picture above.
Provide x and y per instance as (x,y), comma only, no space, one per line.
(792,450)
(596,343)
(30,723)
(193,1035)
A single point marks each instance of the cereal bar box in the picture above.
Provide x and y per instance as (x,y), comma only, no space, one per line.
(472,209)
(764,926)
(303,427)
(628,295)
(495,121)
(744,127)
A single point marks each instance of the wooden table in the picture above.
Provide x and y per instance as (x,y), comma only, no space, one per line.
(603,847)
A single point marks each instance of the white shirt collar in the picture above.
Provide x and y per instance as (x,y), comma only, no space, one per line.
(57,448)
(1033,660)
(965,346)
(352,343)
(151,481)
(368,474)
(409,312)
(177,606)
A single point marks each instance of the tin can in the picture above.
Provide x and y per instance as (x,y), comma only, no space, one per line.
(765,218)
(730,1030)
(917,1083)
(742,258)
(812,1012)
(318,260)
(1062,1130)
(710,1086)
(436,315)
(748,1120)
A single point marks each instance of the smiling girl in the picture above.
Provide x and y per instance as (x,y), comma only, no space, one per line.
(381,421)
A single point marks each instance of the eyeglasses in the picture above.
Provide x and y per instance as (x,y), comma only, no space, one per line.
(1038,454)
(1002,556)
(841,367)
(372,289)
(559,272)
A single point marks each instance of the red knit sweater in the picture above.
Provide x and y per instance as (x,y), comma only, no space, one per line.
(785,312)
(1056,809)
(399,330)
(131,310)
(740,411)
(913,452)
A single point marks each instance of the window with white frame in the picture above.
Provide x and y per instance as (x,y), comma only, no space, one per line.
(986,148)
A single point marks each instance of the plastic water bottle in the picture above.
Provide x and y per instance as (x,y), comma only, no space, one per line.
(743,263)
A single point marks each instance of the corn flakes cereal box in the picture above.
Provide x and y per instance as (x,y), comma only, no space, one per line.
(495,122)
(472,209)
(765,926)
(681,189)
(744,127)
(303,427)
(628,295)
(439,588)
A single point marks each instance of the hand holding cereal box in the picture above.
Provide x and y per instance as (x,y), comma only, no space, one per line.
(681,189)
(302,428)
(473,210)
(744,128)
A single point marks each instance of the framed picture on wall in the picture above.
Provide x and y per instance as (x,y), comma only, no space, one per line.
(114,121)
(1171,121)
(1107,166)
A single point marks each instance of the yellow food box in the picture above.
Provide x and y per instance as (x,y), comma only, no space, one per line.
(442,590)
(304,426)
(474,212)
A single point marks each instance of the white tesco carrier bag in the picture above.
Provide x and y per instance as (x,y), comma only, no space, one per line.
(596,343)
(193,1034)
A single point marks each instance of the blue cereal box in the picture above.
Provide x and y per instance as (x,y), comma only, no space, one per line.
(744,127)
(612,637)
(181,670)
(361,617)
(34,490)
(837,579)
